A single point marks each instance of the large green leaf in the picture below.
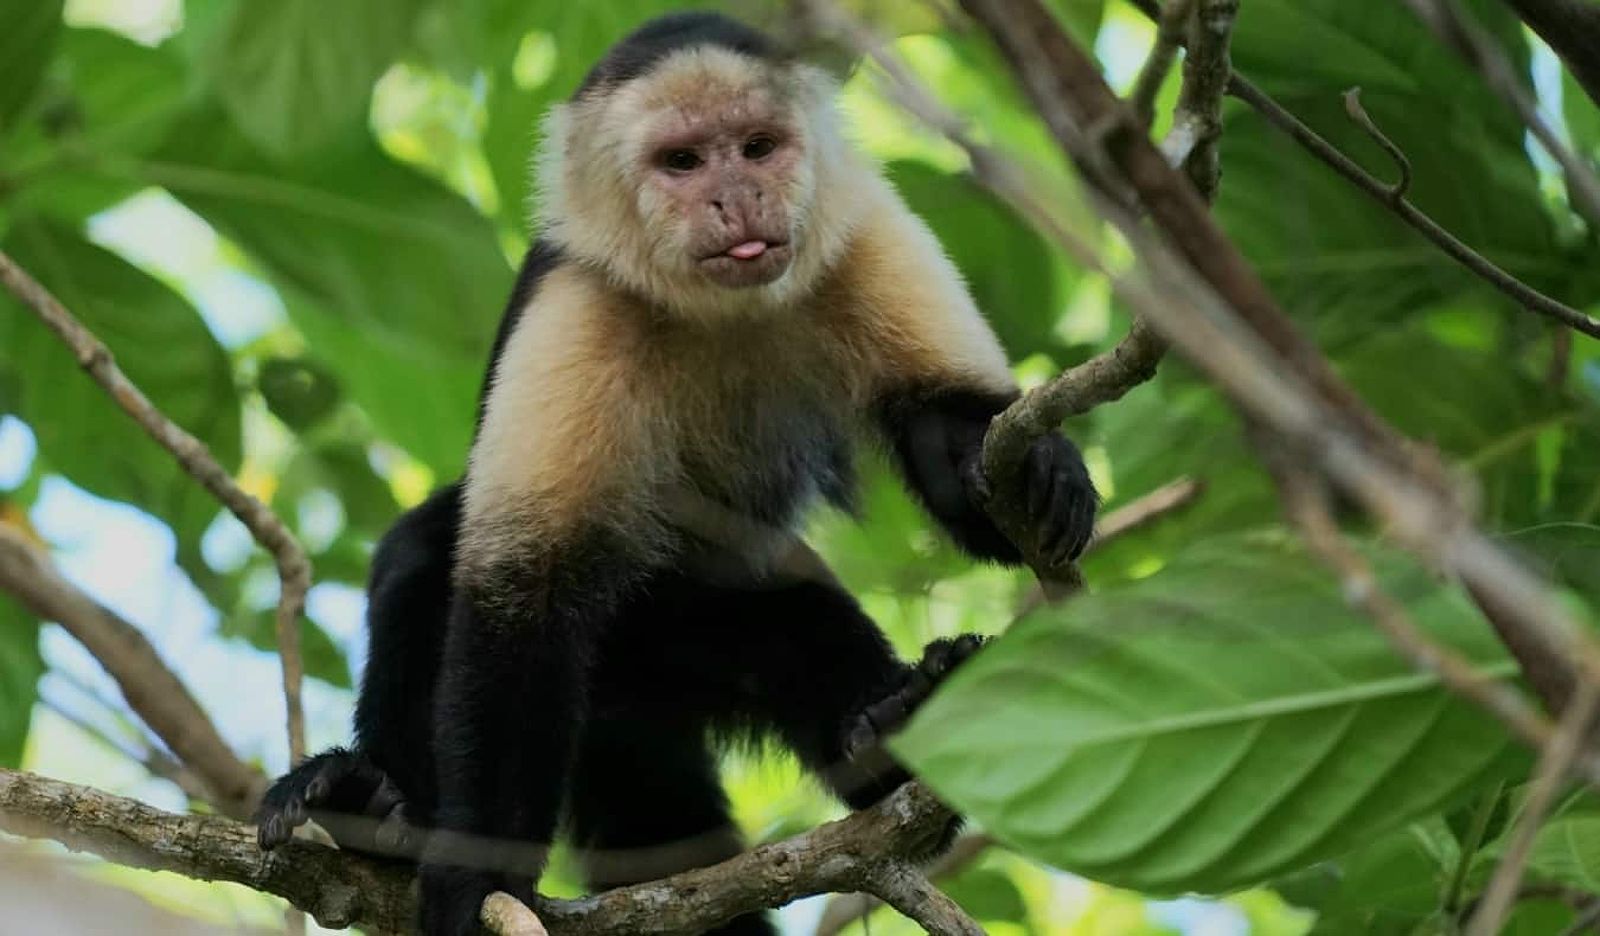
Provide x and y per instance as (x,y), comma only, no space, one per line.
(295,74)
(1388,885)
(20,669)
(163,346)
(106,95)
(396,281)
(26,43)
(1220,722)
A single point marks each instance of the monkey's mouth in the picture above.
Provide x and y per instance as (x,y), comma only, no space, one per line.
(748,263)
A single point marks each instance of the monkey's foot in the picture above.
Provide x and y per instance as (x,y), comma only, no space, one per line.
(878,720)
(347,794)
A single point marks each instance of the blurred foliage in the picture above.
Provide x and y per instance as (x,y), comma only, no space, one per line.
(1212,717)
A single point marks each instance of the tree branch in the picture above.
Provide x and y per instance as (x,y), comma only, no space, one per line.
(294,569)
(147,684)
(870,850)
(1170,29)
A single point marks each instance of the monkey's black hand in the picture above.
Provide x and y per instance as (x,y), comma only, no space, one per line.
(939,659)
(354,800)
(1061,500)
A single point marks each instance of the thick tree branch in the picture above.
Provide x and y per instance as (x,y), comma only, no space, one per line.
(148,685)
(294,569)
(870,850)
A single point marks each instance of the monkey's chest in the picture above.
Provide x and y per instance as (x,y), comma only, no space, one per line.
(767,460)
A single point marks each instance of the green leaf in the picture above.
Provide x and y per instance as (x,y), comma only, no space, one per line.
(163,346)
(341,467)
(1005,262)
(1565,552)
(296,74)
(1390,885)
(1583,117)
(106,95)
(987,894)
(396,282)
(299,391)
(26,45)
(1470,405)
(20,669)
(1223,721)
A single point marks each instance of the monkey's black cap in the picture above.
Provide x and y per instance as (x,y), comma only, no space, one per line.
(641,49)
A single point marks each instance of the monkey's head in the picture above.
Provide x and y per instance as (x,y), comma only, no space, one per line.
(700,167)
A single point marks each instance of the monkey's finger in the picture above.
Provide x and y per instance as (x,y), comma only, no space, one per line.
(385,799)
(1039,471)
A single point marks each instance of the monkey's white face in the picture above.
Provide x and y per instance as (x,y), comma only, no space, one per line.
(723,186)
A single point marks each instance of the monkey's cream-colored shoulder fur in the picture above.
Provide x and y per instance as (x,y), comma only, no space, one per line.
(898,290)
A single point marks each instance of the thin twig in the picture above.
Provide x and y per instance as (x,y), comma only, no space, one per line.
(1153,74)
(1548,779)
(1352,106)
(1281,118)
(1198,116)
(845,909)
(1455,29)
(903,886)
(147,684)
(294,569)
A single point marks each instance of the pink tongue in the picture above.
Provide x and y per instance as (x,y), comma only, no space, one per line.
(748,250)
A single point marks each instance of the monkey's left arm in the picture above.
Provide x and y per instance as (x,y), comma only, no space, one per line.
(943,377)
(937,436)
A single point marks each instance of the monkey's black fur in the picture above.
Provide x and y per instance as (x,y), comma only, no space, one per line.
(660,37)
(678,661)
(603,711)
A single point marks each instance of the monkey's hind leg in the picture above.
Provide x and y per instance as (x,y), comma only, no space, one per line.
(628,831)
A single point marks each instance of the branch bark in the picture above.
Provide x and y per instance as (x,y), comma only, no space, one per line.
(294,569)
(147,684)
(871,850)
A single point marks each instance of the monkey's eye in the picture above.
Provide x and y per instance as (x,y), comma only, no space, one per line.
(759,147)
(681,160)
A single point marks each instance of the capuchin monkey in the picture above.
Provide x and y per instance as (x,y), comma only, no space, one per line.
(724,300)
